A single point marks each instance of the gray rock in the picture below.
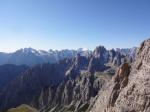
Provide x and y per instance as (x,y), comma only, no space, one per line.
(128,93)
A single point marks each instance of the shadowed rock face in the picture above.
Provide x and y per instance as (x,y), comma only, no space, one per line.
(9,72)
(27,86)
(128,91)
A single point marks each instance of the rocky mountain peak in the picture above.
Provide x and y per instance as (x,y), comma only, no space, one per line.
(143,54)
(128,91)
(99,51)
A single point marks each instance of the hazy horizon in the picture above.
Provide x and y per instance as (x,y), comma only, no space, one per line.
(49,24)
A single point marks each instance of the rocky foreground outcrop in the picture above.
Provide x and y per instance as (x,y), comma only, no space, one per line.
(129,90)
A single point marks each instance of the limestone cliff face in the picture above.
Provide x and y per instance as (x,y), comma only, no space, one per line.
(72,95)
(129,90)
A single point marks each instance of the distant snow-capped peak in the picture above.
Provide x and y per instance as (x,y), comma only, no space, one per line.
(65,52)
(82,49)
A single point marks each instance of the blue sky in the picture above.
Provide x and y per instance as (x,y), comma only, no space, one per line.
(61,24)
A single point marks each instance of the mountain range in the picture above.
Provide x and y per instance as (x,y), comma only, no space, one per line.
(69,84)
(31,57)
(100,81)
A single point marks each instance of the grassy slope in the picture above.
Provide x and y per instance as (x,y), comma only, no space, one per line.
(22,108)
